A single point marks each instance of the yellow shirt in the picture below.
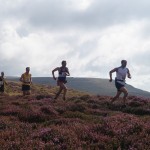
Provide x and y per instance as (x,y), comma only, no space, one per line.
(26,79)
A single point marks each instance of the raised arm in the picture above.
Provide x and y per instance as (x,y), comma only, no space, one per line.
(56,69)
(110,73)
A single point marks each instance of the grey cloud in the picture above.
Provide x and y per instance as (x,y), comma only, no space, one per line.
(142,61)
(82,49)
(97,66)
(87,48)
(142,58)
(99,14)
(12,67)
(22,32)
(16,66)
(57,14)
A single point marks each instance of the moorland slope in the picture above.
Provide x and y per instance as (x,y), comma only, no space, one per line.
(83,121)
(93,86)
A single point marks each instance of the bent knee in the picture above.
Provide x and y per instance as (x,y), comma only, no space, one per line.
(126,93)
(65,88)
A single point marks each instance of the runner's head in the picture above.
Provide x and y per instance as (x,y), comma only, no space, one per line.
(2,74)
(64,63)
(123,63)
(27,69)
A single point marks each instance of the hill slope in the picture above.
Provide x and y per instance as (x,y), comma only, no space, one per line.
(81,122)
(91,85)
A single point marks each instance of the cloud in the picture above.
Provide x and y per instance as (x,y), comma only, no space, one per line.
(92,35)
(70,14)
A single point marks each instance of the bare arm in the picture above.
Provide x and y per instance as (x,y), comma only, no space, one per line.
(67,73)
(129,75)
(56,69)
(110,73)
(21,78)
(31,79)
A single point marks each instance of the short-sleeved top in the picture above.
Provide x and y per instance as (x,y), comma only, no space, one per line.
(1,82)
(26,79)
(121,73)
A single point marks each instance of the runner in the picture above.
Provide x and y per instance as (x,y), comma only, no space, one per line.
(61,81)
(121,73)
(2,83)
(26,82)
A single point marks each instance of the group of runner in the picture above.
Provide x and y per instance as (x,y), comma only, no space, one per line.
(26,79)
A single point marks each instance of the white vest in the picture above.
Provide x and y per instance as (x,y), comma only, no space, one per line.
(121,73)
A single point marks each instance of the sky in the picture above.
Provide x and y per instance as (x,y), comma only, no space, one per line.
(93,36)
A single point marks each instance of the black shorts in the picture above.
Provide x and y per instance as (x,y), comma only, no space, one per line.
(62,79)
(119,85)
(25,87)
(2,88)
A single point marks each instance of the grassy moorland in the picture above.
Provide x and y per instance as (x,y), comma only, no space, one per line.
(91,85)
(82,122)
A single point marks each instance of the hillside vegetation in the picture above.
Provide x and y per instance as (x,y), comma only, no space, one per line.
(91,85)
(82,122)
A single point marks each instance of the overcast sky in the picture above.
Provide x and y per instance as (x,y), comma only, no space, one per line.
(92,35)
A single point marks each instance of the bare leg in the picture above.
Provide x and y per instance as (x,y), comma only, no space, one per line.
(24,93)
(125,92)
(58,93)
(63,86)
(65,91)
(116,97)
(28,92)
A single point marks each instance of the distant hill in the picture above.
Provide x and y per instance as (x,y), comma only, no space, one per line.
(94,86)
